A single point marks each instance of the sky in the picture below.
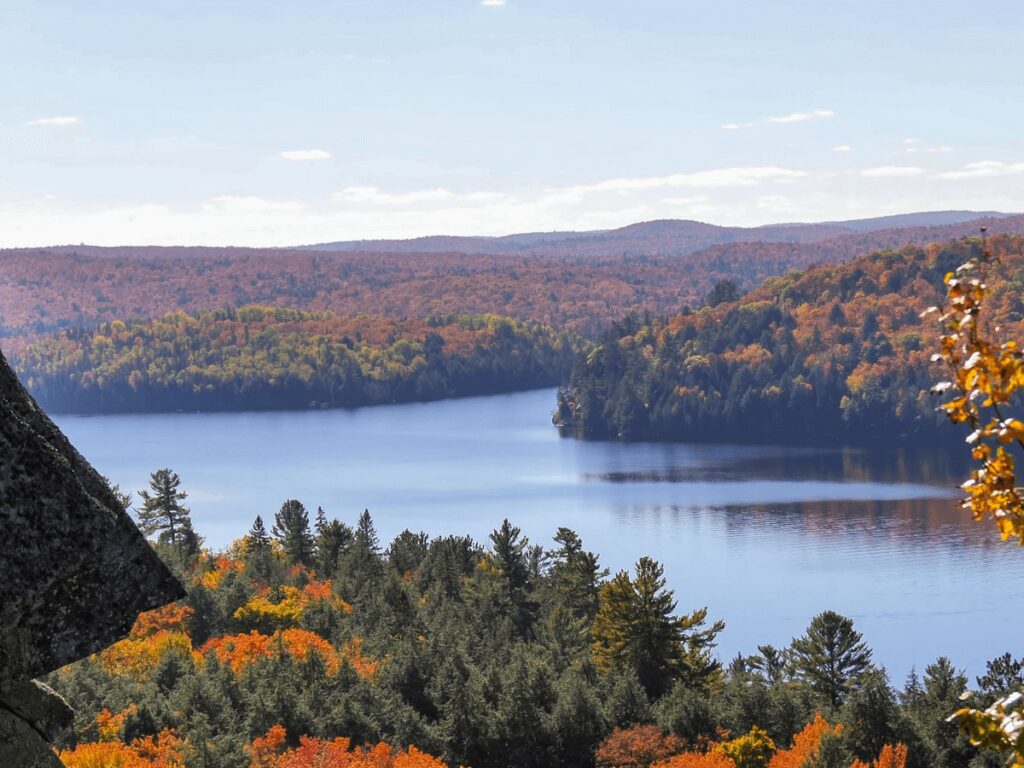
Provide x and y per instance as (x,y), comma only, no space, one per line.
(223,122)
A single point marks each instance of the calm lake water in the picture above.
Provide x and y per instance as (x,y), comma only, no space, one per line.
(765,536)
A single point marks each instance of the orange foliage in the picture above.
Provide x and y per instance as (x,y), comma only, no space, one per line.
(697,760)
(268,752)
(638,746)
(110,726)
(239,651)
(221,567)
(173,617)
(805,744)
(161,751)
(890,757)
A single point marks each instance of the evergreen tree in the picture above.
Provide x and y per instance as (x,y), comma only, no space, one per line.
(333,537)
(258,556)
(162,513)
(291,528)
(636,627)
(366,533)
(576,575)
(831,657)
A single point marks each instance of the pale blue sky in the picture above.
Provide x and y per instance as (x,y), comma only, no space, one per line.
(265,123)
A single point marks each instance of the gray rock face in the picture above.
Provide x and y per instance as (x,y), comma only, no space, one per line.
(30,716)
(75,572)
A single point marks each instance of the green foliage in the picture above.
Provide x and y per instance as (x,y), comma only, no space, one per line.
(266,357)
(831,657)
(291,528)
(162,514)
(482,655)
(636,628)
(833,354)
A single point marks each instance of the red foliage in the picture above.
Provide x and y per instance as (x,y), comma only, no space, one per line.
(638,746)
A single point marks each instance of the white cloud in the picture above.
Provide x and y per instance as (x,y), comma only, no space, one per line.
(745,196)
(892,172)
(794,117)
(744,176)
(249,204)
(985,169)
(375,196)
(843,148)
(492,3)
(57,120)
(306,154)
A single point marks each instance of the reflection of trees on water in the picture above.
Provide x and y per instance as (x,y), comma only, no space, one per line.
(733,463)
(912,524)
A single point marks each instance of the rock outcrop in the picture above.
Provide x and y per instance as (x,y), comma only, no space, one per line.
(75,572)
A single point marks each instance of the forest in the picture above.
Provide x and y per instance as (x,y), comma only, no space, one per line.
(309,643)
(836,353)
(579,284)
(255,358)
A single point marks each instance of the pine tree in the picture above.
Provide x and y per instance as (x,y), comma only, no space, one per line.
(636,628)
(333,537)
(831,657)
(576,575)
(366,534)
(162,513)
(258,556)
(291,528)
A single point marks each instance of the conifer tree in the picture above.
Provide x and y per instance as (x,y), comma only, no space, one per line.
(161,513)
(366,534)
(291,528)
(333,537)
(636,628)
(258,557)
(831,657)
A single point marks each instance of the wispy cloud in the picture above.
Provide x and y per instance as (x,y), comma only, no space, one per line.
(985,169)
(376,196)
(492,2)
(743,176)
(892,172)
(306,154)
(793,117)
(843,148)
(56,120)
(913,146)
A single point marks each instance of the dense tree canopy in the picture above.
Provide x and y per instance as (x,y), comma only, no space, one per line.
(431,651)
(836,353)
(259,357)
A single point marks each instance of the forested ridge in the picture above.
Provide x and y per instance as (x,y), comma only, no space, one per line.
(832,354)
(582,283)
(266,358)
(311,644)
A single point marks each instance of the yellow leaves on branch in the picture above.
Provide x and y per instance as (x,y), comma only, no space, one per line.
(999,728)
(986,380)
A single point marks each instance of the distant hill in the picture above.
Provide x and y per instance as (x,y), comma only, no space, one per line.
(581,285)
(666,237)
(836,353)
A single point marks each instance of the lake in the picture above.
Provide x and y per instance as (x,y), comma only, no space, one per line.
(766,537)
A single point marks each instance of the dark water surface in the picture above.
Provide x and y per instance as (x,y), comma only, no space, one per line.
(765,536)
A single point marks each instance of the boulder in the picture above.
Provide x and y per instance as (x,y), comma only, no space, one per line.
(75,571)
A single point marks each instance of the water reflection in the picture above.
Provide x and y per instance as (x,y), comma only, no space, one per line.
(745,463)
